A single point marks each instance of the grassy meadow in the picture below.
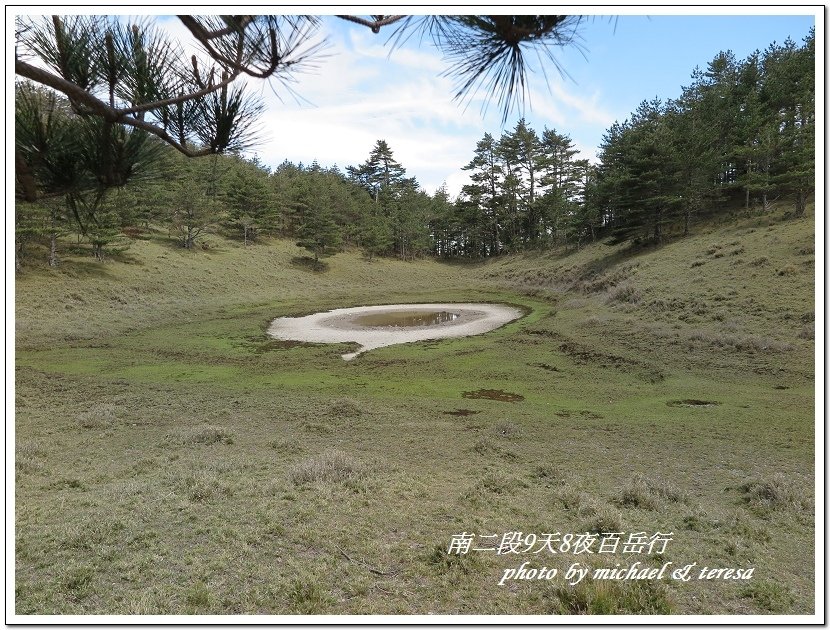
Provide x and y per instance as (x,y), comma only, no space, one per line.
(171,458)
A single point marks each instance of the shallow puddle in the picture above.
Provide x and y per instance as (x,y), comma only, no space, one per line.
(400,319)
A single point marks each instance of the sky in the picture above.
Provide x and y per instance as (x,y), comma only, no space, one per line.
(362,89)
(365,90)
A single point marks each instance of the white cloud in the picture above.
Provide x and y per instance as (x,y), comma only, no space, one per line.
(362,90)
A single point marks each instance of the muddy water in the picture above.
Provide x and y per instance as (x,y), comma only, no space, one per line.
(401,319)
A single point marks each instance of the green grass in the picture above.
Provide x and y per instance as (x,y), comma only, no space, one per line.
(171,458)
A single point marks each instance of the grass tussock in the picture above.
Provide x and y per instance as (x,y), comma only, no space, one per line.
(507,430)
(443,562)
(490,449)
(777,493)
(29,457)
(207,434)
(770,597)
(749,343)
(98,416)
(493,484)
(92,533)
(648,493)
(625,294)
(596,515)
(602,597)
(329,467)
(307,597)
(201,485)
(345,408)
(286,445)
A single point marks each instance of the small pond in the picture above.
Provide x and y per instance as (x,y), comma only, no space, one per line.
(377,326)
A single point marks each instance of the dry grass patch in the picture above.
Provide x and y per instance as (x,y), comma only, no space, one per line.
(331,466)
(28,457)
(602,597)
(769,596)
(99,416)
(779,492)
(650,493)
(207,434)
(201,486)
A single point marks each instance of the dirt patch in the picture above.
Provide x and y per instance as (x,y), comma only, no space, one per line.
(583,356)
(494,394)
(585,413)
(691,402)
(545,366)
(461,412)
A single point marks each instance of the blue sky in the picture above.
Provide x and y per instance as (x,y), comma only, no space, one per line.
(364,90)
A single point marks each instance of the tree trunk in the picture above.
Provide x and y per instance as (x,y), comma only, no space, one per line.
(657,231)
(53,250)
(800,203)
(25,176)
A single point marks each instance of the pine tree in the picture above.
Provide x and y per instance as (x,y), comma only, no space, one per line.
(380,171)
(487,175)
(522,151)
(318,233)
(250,201)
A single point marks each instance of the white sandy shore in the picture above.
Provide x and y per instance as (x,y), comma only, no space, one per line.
(338,326)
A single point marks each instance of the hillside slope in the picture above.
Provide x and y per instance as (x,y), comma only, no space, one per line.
(171,458)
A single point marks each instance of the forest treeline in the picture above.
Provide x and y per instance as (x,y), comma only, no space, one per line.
(743,132)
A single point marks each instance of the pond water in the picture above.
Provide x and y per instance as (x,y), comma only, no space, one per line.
(399,319)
